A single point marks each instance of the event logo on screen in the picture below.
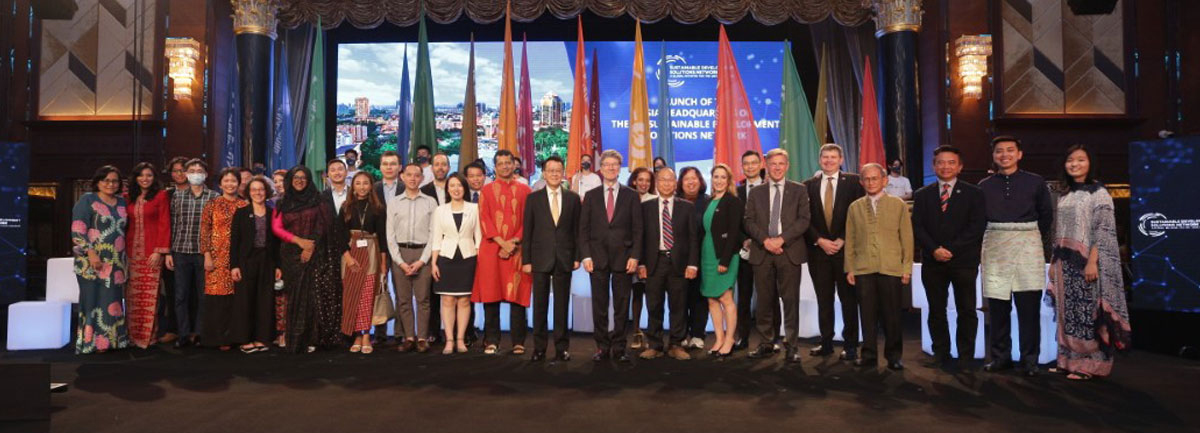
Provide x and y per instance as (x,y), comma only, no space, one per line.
(1155,224)
(1164,231)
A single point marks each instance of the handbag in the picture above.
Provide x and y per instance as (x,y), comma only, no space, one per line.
(384,310)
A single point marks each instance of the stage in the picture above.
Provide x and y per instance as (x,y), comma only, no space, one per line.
(202,390)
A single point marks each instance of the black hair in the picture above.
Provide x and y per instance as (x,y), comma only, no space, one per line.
(351,150)
(502,152)
(181,160)
(659,158)
(552,158)
(135,190)
(196,161)
(947,148)
(751,152)
(102,173)
(1089,179)
(638,172)
(684,172)
(423,147)
(388,153)
(267,188)
(235,171)
(1005,138)
(334,161)
(476,165)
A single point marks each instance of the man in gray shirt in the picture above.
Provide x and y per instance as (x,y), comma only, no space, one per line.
(408,222)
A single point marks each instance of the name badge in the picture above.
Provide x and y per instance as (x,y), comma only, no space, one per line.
(361,243)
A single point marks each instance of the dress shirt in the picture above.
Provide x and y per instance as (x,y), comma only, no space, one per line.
(942,185)
(667,202)
(554,195)
(389,191)
(782,186)
(338,197)
(899,186)
(584,183)
(426,175)
(187,208)
(408,222)
(825,185)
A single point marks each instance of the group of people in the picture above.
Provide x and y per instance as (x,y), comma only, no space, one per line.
(265,260)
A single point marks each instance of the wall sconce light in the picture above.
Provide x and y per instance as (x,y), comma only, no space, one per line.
(182,54)
(972,52)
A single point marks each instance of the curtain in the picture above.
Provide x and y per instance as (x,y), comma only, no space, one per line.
(293,50)
(847,47)
(372,13)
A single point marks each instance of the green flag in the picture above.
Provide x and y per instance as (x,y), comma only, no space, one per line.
(796,134)
(314,129)
(423,132)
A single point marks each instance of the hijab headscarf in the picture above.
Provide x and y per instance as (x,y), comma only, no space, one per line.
(296,200)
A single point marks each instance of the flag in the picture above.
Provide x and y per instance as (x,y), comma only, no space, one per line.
(506,131)
(796,134)
(525,117)
(664,147)
(594,108)
(231,147)
(423,126)
(870,145)
(579,141)
(735,130)
(821,119)
(639,107)
(283,140)
(314,148)
(469,149)
(404,112)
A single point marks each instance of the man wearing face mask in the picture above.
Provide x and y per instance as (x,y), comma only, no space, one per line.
(177,169)
(585,179)
(351,163)
(898,186)
(519,173)
(424,158)
(186,259)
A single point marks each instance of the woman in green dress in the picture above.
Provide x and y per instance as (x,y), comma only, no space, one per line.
(722,223)
(98,235)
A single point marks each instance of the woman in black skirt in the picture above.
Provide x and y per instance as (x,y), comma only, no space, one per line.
(253,259)
(455,239)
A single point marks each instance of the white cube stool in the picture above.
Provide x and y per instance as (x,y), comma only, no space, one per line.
(39,325)
(61,284)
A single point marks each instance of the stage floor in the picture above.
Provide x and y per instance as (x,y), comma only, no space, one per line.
(203,390)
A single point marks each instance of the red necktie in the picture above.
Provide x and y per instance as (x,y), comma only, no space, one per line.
(610,204)
(945,196)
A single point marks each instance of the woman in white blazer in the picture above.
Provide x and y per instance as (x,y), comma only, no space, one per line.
(455,240)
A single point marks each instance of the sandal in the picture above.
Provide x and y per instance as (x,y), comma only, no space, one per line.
(518,350)
(248,349)
(1079,376)
(490,349)
(366,350)
(356,348)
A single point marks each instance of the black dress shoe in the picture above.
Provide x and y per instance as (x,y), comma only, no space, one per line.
(964,364)
(538,356)
(895,365)
(866,362)
(741,345)
(763,351)
(848,355)
(1031,370)
(600,355)
(623,357)
(793,355)
(996,366)
(938,361)
(822,350)
(563,356)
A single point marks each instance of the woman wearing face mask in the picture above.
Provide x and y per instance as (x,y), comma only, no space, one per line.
(584,180)
(148,241)
(98,234)
(313,244)
(363,262)
(216,226)
(254,269)
(640,180)
(692,188)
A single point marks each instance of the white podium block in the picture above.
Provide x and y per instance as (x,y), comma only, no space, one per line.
(39,325)
(61,284)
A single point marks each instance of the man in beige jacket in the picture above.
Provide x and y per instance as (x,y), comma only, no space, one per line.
(879,257)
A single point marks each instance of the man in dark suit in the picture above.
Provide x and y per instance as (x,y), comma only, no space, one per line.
(385,190)
(948,223)
(549,253)
(338,187)
(752,168)
(832,191)
(671,256)
(437,190)
(610,243)
(776,219)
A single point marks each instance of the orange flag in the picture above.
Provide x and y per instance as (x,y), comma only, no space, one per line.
(579,140)
(639,111)
(870,144)
(735,130)
(506,131)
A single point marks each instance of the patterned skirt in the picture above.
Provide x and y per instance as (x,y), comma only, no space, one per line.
(141,299)
(1012,259)
(359,287)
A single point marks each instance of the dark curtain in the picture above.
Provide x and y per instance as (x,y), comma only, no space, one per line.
(294,48)
(847,48)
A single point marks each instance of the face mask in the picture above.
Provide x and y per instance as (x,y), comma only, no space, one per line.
(587,165)
(422,160)
(895,170)
(196,178)
(517,171)
(351,161)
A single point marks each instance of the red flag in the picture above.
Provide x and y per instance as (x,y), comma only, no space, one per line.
(870,144)
(594,113)
(735,130)
(525,117)
(579,140)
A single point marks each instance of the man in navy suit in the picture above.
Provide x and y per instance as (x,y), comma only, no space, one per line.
(610,244)
(549,253)
(948,225)
(671,238)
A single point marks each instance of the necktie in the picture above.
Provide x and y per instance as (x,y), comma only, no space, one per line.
(554,212)
(776,203)
(668,236)
(475,197)
(829,202)
(610,204)
(945,196)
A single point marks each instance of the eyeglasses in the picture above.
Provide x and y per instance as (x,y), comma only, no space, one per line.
(110,181)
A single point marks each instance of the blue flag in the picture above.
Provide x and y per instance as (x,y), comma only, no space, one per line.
(231,148)
(663,147)
(283,138)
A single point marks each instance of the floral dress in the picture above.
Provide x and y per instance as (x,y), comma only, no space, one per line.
(100,228)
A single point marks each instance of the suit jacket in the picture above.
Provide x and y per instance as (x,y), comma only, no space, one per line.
(610,244)
(431,191)
(880,241)
(744,194)
(848,189)
(549,247)
(685,226)
(241,238)
(959,229)
(726,228)
(384,200)
(793,217)
(448,237)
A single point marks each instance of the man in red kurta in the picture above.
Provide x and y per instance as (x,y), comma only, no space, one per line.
(498,276)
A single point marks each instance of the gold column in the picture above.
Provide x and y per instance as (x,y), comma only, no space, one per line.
(255,17)
(896,16)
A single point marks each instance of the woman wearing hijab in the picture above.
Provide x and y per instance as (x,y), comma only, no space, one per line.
(313,242)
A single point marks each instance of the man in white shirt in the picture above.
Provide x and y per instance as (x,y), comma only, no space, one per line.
(408,222)
(424,158)
(898,185)
(335,169)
